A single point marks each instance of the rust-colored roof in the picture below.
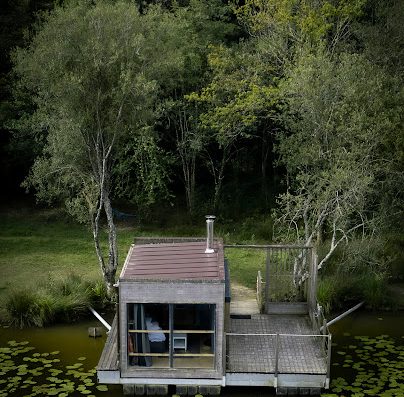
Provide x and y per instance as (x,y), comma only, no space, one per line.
(174,261)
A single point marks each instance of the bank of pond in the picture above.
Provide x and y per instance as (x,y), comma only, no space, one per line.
(368,360)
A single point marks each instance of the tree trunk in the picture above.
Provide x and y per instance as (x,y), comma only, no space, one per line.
(188,167)
(187,155)
(112,265)
(219,182)
(96,238)
(264,160)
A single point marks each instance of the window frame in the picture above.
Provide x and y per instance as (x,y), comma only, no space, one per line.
(170,332)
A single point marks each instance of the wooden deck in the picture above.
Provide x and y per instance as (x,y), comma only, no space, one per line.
(109,357)
(252,346)
(252,357)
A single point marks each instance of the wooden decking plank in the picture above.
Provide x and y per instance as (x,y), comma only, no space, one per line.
(109,356)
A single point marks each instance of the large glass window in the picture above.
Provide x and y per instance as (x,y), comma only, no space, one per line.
(193,336)
(171,335)
(148,335)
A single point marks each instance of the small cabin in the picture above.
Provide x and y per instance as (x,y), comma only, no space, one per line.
(171,310)
(175,324)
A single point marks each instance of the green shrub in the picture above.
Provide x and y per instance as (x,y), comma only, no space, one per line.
(23,309)
(338,291)
(97,293)
(326,294)
(70,298)
(47,306)
(375,291)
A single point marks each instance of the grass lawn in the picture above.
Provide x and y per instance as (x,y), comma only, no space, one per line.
(41,245)
(244,264)
(38,245)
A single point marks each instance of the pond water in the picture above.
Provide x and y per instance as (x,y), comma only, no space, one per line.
(368,359)
(368,355)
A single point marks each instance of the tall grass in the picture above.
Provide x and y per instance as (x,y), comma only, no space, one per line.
(24,309)
(338,291)
(64,300)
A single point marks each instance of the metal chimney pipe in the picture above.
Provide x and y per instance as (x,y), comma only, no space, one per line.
(210,219)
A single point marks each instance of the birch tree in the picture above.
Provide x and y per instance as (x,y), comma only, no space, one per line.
(91,71)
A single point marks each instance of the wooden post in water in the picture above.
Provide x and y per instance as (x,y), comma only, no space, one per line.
(94,332)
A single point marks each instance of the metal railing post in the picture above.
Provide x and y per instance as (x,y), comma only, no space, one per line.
(328,361)
(276,360)
(226,352)
(267,284)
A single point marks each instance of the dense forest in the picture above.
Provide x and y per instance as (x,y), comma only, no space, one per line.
(287,110)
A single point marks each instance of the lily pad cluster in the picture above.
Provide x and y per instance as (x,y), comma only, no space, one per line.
(28,373)
(373,367)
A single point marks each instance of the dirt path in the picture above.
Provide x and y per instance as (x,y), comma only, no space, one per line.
(243,300)
(240,292)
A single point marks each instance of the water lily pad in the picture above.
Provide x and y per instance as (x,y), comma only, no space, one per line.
(74,366)
(82,358)
(102,388)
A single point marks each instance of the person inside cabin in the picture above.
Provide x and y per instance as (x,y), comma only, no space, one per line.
(157,339)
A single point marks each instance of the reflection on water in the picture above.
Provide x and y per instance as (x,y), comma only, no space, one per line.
(368,355)
(368,359)
(57,360)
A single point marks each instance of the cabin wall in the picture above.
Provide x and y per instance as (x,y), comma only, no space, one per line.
(175,292)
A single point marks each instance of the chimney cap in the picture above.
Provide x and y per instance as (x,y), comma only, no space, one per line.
(212,217)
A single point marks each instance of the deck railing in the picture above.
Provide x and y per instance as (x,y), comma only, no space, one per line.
(260,291)
(279,353)
(319,321)
(288,273)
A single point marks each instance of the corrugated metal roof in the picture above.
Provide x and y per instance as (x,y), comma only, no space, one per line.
(174,261)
